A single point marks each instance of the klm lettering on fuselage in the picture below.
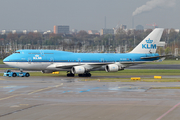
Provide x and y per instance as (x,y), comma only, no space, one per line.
(149,45)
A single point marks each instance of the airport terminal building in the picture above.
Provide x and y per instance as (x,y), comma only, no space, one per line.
(61,29)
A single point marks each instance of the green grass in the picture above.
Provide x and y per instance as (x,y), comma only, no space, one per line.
(128,72)
(1,61)
(62,74)
(165,62)
(129,80)
(137,72)
(165,87)
(8,68)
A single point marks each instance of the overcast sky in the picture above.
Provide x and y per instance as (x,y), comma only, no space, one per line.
(87,14)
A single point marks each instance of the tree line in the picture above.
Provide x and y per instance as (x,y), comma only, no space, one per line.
(123,41)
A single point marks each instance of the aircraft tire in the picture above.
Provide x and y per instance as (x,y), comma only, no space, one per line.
(85,75)
(80,75)
(89,75)
(70,75)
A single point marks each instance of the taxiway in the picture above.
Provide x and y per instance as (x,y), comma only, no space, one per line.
(47,98)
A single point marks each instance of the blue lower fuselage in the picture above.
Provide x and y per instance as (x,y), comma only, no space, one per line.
(47,57)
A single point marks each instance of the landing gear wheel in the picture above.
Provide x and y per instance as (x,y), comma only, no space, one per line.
(70,75)
(80,75)
(88,74)
(85,75)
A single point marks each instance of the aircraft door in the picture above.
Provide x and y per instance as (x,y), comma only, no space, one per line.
(133,60)
(29,60)
(79,60)
(102,59)
(42,53)
(51,60)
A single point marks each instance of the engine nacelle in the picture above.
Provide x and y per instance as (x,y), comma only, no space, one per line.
(78,70)
(113,68)
(47,71)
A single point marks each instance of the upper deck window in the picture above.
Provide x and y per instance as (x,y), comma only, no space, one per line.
(34,53)
(48,53)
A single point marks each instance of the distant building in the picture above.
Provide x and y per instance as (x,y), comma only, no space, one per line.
(139,27)
(63,29)
(175,30)
(4,32)
(25,31)
(123,27)
(47,32)
(10,31)
(106,31)
(93,32)
(74,31)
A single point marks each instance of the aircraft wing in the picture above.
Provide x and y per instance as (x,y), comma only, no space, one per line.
(80,64)
(97,65)
(66,66)
(127,64)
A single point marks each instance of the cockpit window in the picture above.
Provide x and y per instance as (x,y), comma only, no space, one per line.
(17,52)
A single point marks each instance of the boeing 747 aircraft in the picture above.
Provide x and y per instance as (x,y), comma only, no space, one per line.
(49,61)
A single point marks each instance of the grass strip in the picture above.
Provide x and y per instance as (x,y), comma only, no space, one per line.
(129,73)
(165,87)
(129,80)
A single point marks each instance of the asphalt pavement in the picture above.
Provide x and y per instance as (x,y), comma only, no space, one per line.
(62,98)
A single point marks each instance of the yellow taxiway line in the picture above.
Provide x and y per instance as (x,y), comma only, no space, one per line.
(10,97)
(2,79)
(44,89)
(40,90)
(32,92)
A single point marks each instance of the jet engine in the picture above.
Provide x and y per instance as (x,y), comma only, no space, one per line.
(78,70)
(113,68)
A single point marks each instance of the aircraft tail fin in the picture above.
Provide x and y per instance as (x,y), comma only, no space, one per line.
(150,43)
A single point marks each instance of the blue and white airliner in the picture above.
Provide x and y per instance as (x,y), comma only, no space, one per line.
(49,61)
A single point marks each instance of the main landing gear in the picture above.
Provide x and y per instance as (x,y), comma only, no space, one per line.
(69,74)
(85,75)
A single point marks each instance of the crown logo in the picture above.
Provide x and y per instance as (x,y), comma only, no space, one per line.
(149,41)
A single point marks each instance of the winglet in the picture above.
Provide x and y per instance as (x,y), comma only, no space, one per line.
(150,43)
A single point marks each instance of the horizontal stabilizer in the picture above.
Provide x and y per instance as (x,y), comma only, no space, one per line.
(161,56)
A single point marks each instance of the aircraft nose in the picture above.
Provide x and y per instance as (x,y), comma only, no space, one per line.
(6,60)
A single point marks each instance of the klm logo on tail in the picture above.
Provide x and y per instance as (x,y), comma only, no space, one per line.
(149,45)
